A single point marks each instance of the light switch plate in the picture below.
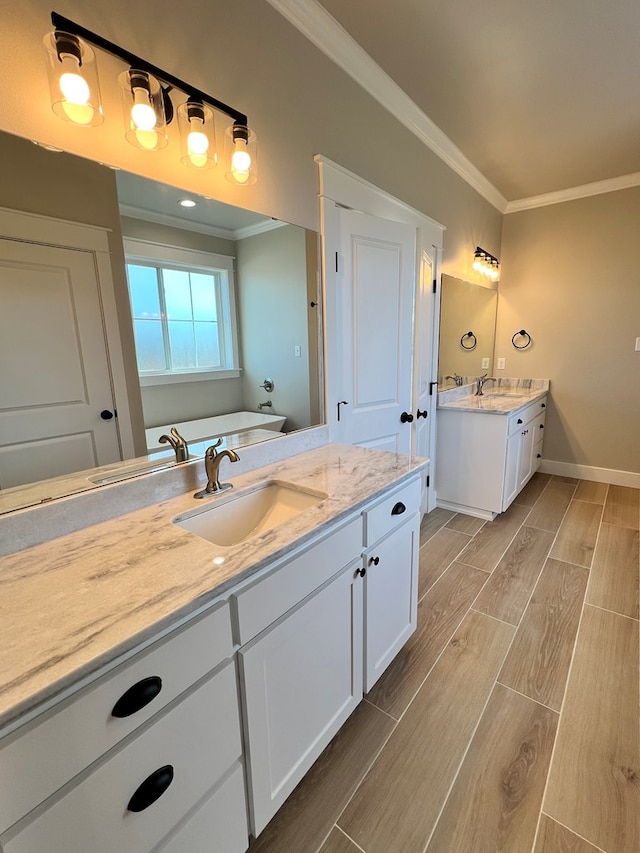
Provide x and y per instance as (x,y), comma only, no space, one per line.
(637,344)
(485,363)
(501,363)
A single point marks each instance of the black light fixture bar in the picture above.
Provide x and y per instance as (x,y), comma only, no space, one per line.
(68,26)
(487,256)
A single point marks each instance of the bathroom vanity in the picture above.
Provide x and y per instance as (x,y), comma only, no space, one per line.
(489,446)
(163,692)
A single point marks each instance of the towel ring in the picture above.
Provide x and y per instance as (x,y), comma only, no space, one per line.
(473,344)
(523,334)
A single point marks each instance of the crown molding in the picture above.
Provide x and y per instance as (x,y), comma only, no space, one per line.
(200,227)
(258,228)
(314,22)
(609,185)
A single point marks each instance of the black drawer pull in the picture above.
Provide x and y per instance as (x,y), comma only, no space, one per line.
(519,421)
(544,405)
(398,509)
(151,789)
(137,696)
(541,426)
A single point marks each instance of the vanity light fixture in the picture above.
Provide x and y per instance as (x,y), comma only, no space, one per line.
(147,102)
(484,262)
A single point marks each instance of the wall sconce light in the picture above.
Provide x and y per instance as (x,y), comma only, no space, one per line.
(147,105)
(484,262)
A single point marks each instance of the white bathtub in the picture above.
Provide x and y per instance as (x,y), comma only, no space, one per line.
(206,429)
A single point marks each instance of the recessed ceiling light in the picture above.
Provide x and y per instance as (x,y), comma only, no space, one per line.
(187,202)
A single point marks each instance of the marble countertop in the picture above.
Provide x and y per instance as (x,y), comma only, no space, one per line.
(71,605)
(503,397)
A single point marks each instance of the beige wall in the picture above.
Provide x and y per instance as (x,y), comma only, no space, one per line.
(570,278)
(272,298)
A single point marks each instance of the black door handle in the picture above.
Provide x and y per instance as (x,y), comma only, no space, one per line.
(137,696)
(151,789)
(420,414)
(341,403)
(406,418)
(398,509)
(106,414)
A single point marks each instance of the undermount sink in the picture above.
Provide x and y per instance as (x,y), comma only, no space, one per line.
(238,517)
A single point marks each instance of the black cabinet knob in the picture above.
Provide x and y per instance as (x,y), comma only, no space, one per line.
(541,426)
(362,572)
(151,789)
(373,561)
(544,405)
(406,418)
(420,414)
(519,421)
(398,509)
(137,696)
(106,414)
(538,455)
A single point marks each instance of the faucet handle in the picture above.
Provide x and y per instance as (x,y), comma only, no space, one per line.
(211,451)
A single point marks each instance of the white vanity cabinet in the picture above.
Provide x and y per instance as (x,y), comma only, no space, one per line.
(301,677)
(127,759)
(484,459)
(392,539)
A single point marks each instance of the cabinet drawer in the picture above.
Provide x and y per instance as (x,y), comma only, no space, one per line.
(41,757)
(388,514)
(199,738)
(266,600)
(533,410)
(220,824)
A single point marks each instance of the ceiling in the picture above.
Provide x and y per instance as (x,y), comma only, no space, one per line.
(540,97)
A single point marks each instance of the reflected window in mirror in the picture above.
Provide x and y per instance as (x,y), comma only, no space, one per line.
(184,317)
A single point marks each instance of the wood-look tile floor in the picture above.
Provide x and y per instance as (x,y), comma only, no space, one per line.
(510,721)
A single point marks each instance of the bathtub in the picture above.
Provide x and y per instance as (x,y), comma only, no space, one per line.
(207,429)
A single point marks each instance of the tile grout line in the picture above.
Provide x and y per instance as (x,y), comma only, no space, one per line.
(447,567)
(346,835)
(613,612)
(573,832)
(382,711)
(524,696)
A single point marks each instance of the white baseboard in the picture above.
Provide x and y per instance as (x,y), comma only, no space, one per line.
(589,472)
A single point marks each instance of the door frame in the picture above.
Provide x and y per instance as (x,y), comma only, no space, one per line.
(60,233)
(341,188)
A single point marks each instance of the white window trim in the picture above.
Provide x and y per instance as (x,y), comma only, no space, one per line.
(146,250)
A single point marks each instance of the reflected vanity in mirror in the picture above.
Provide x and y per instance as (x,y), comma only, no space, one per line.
(66,325)
(467,330)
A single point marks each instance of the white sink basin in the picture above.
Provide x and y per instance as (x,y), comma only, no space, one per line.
(236,518)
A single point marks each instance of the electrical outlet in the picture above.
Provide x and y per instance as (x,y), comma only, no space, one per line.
(501,363)
(485,363)
(297,351)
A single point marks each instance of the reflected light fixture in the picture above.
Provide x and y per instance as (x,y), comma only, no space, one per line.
(148,107)
(486,264)
(187,202)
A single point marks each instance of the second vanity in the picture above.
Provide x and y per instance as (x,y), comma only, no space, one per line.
(489,446)
(161,692)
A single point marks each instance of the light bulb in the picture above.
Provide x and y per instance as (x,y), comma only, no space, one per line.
(197,143)
(142,113)
(75,91)
(240,162)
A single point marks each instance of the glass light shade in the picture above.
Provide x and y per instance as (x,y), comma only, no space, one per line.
(197,135)
(73,79)
(241,155)
(145,124)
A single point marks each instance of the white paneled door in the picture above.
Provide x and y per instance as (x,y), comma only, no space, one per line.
(56,399)
(376,287)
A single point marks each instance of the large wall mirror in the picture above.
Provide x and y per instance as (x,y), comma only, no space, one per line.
(467,330)
(266,321)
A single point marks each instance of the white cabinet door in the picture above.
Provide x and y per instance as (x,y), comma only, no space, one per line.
(391,597)
(301,679)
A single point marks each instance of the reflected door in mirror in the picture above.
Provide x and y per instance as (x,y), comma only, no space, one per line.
(53,363)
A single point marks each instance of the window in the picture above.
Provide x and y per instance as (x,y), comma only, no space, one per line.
(183,313)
